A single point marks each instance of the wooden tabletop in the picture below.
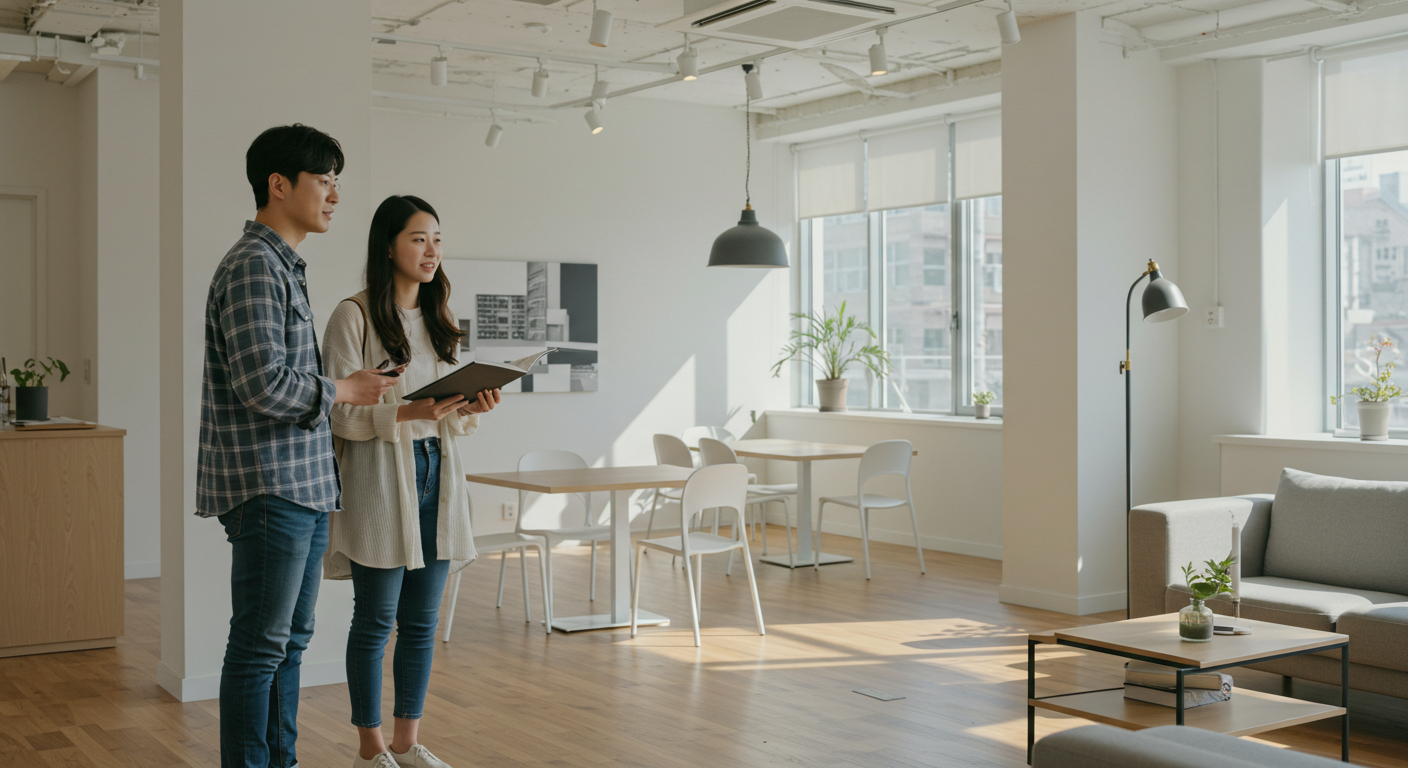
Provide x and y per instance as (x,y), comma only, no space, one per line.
(10,433)
(795,450)
(1157,637)
(588,480)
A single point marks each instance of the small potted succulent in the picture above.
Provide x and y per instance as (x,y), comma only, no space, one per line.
(832,342)
(1195,621)
(31,396)
(1376,400)
(982,404)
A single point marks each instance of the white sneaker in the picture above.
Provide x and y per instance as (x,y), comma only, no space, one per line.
(383,760)
(418,757)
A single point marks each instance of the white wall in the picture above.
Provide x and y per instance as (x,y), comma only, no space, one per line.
(681,344)
(1253,463)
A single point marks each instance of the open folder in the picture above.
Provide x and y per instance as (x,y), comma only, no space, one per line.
(477,376)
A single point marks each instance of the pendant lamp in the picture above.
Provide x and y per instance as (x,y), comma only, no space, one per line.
(748,244)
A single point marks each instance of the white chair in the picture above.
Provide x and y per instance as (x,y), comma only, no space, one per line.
(669,451)
(691,439)
(717,487)
(503,543)
(714,452)
(553,522)
(891,457)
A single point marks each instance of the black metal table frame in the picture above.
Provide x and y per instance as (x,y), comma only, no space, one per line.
(1179,672)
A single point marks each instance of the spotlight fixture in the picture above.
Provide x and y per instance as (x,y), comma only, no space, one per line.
(1007,25)
(688,62)
(540,81)
(754,79)
(495,131)
(601,27)
(879,62)
(599,90)
(594,121)
(440,69)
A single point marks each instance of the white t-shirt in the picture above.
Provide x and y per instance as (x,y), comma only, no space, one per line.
(421,371)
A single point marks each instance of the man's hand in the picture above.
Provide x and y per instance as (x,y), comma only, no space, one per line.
(429,409)
(484,403)
(365,387)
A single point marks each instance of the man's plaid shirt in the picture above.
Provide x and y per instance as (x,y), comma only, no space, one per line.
(264,402)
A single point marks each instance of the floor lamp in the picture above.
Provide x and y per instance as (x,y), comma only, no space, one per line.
(1162,302)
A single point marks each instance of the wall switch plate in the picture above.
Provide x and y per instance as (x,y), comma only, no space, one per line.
(1212,317)
(87,370)
(510,511)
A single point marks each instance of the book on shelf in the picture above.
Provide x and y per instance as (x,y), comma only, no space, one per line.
(1159,676)
(1168,697)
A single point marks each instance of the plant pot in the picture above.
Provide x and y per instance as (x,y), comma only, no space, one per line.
(31,404)
(982,410)
(831,394)
(1373,419)
(1195,622)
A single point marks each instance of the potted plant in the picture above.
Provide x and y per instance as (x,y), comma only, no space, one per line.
(831,342)
(982,404)
(1375,400)
(31,396)
(1195,621)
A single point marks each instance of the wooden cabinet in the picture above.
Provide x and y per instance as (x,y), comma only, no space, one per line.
(60,540)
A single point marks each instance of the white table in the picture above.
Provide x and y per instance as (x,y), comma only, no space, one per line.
(804,453)
(619,482)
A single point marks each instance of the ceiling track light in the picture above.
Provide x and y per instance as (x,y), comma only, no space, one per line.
(599,87)
(495,131)
(879,62)
(601,27)
(754,79)
(540,81)
(1007,25)
(688,62)
(440,69)
(594,120)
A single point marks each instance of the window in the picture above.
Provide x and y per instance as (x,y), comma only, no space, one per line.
(935,266)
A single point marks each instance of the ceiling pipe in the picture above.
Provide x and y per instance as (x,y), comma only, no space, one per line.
(1224,22)
(539,55)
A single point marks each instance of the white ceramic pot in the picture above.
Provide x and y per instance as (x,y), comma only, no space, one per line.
(831,393)
(1373,420)
(982,410)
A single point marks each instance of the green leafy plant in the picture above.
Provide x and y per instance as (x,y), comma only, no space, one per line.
(983,398)
(31,375)
(832,342)
(1379,373)
(1211,581)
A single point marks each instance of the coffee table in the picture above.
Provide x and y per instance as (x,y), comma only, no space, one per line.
(1155,639)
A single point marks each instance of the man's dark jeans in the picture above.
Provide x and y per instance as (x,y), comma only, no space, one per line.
(278,551)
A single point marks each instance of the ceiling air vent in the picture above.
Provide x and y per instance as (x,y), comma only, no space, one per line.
(790,23)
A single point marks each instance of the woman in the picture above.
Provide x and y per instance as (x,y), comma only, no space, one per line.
(405,520)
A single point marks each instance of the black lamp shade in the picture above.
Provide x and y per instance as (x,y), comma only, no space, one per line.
(749,245)
(1162,300)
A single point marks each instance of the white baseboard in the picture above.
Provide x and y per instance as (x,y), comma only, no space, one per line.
(208,687)
(144,569)
(1069,604)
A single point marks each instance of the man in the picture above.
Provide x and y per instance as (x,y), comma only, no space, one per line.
(266,466)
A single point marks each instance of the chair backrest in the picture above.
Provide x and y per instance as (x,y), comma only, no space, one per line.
(713,452)
(891,457)
(551,514)
(672,451)
(691,436)
(715,487)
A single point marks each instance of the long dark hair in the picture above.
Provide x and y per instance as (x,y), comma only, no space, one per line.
(389,222)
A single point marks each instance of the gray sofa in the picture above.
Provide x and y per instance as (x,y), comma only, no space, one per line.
(1170,746)
(1323,553)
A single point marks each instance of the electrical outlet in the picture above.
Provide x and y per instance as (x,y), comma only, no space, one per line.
(1212,317)
(510,511)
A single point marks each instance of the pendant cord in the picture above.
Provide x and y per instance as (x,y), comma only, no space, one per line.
(748,133)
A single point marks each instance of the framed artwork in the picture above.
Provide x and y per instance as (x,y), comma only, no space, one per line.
(512,309)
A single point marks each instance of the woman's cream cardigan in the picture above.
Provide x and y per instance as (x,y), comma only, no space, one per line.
(379,525)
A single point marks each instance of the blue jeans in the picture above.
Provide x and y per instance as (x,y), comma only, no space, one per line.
(409,599)
(274,575)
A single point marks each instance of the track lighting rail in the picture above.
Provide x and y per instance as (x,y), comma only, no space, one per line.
(641,66)
(749,59)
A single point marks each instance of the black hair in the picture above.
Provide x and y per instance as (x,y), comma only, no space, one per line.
(388,222)
(289,150)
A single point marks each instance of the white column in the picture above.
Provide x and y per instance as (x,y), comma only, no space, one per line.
(1089,187)
(229,71)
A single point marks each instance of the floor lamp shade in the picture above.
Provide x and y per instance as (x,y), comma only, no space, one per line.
(1162,300)
(748,245)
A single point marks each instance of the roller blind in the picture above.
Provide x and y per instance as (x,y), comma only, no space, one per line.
(908,168)
(829,179)
(977,157)
(1366,104)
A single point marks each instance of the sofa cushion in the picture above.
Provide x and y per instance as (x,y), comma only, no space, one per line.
(1378,635)
(1290,602)
(1332,530)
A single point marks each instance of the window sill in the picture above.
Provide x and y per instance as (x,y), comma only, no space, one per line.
(1321,441)
(890,417)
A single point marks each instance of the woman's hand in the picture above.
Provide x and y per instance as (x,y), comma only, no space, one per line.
(484,403)
(429,409)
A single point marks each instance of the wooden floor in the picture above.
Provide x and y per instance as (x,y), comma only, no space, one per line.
(504,694)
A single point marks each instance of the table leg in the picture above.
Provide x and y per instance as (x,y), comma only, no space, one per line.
(1344,702)
(1031,694)
(803,558)
(1178,691)
(621,561)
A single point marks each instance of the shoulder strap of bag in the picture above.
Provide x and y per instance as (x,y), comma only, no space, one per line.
(366,324)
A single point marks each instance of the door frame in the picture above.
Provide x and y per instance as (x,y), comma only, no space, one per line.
(40,283)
